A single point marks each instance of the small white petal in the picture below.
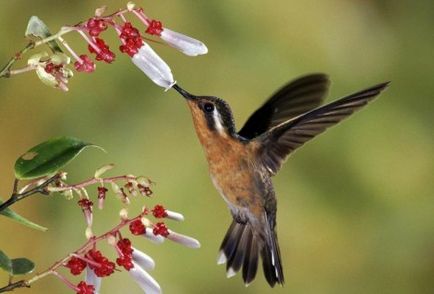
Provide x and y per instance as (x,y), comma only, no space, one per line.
(103,169)
(92,279)
(153,66)
(123,213)
(183,239)
(221,259)
(145,281)
(130,5)
(143,260)
(158,239)
(174,215)
(183,43)
(88,233)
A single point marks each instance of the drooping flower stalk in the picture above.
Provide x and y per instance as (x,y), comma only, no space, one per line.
(133,43)
(89,257)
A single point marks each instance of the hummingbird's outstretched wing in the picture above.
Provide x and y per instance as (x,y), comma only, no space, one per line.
(293,99)
(280,141)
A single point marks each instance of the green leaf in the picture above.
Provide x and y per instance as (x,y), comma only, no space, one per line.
(37,28)
(48,157)
(18,218)
(22,266)
(5,262)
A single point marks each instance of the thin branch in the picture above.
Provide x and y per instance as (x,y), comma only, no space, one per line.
(12,286)
(5,72)
(91,182)
(15,197)
(82,250)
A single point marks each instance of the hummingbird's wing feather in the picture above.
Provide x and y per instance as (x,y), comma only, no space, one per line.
(280,141)
(293,99)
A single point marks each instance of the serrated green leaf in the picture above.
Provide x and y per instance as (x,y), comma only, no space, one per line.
(22,266)
(48,157)
(37,28)
(5,262)
(18,218)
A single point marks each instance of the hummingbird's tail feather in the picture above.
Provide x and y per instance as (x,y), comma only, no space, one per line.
(271,261)
(241,248)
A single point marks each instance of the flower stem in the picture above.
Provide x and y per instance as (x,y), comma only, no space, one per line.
(6,70)
(140,15)
(90,182)
(22,70)
(65,280)
(66,45)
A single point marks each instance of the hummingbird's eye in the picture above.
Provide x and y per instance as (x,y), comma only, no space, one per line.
(208,107)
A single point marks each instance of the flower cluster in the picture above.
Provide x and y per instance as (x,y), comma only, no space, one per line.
(76,265)
(85,64)
(137,227)
(155,27)
(83,288)
(132,43)
(102,51)
(125,250)
(100,264)
(97,265)
(95,26)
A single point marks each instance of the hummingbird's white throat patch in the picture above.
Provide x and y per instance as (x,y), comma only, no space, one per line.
(218,121)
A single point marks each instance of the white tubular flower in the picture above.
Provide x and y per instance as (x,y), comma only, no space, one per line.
(154,238)
(183,43)
(174,215)
(144,280)
(183,239)
(143,260)
(153,66)
(92,279)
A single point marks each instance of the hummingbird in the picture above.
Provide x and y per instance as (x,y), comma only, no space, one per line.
(242,164)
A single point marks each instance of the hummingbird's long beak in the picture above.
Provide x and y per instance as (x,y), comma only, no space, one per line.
(183,92)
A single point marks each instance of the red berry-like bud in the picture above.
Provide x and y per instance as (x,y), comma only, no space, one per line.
(76,265)
(85,203)
(86,64)
(83,288)
(161,229)
(102,192)
(104,51)
(104,268)
(159,211)
(49,67)
(137,227)
(124,246)
(155,27)
(126,262)
(95,26)
(131,39)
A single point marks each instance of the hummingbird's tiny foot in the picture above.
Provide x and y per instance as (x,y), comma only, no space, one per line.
(221,259)
(230,273)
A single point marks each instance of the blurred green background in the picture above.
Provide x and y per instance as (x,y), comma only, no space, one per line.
(356,206)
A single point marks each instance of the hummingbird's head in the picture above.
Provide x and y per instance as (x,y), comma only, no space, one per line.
(211,115)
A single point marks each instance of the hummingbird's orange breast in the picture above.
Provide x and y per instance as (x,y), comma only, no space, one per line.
(234,172)
(232,166)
